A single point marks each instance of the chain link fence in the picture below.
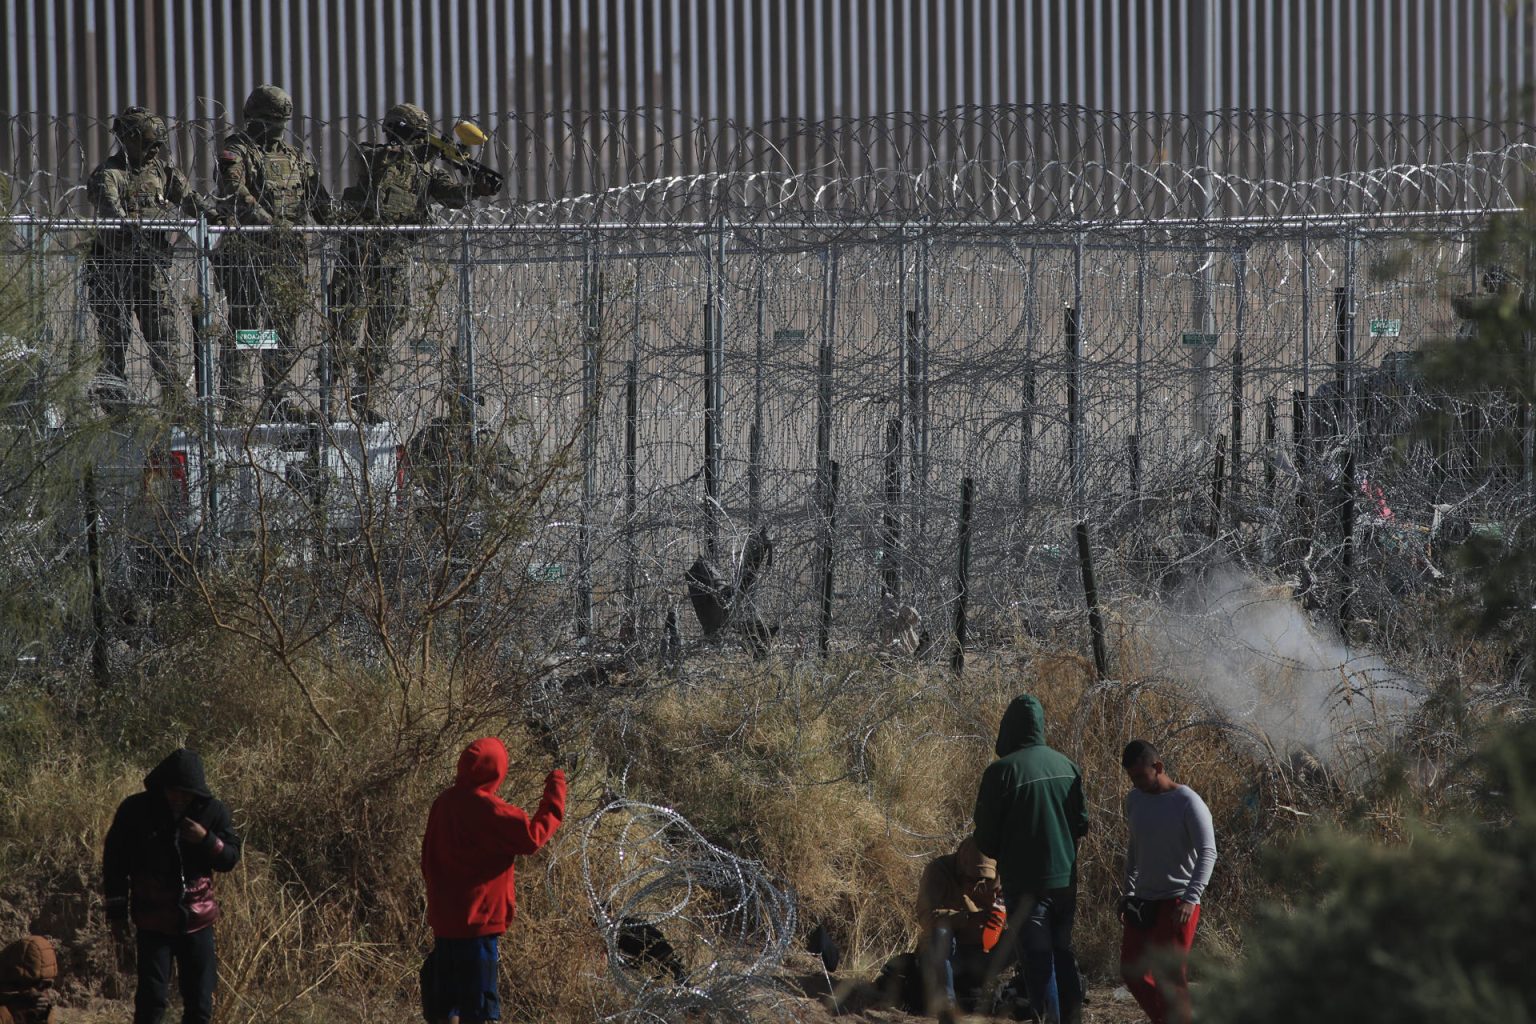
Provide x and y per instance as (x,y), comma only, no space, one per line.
(1185,361)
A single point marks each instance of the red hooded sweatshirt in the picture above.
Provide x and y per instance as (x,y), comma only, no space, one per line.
(472,838)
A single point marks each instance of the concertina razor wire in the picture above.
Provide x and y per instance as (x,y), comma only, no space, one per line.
(1180,383)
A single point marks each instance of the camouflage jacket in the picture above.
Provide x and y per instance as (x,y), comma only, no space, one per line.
(272,183)
(155,191)
(397,185)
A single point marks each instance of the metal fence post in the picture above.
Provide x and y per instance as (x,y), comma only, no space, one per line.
(74,355)
(203,361)
(755,441)
(712,397)
(890,530)
(1027,403)
(1301,411)
(1079,438)
(630,628)
(469,399)
(1528,347)
(1306,312)
(925,341)
(824,367)
(591,340)
(324,368)
(1240,274)
(1134,446)
(904,330)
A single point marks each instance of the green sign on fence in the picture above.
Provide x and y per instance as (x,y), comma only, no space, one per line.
(1386,328)
(1199,340)
(787,336)
(256,339)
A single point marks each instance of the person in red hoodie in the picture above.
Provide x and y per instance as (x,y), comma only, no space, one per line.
(467,860)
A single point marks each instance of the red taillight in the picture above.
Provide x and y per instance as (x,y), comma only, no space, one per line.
(168,466)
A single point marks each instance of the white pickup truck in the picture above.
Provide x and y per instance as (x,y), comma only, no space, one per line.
(267,480)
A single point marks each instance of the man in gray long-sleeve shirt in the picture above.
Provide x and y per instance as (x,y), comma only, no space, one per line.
(1168,862)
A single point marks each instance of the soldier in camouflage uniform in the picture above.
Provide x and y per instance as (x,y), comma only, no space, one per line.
(127,270)
(265,180)
(397,183)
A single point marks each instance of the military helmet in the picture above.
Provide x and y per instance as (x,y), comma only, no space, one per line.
(141,124)
(268,103)
(407,122)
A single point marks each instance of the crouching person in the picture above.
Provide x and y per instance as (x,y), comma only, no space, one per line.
(467,857)
(29,973)
(157,871)
(960,911)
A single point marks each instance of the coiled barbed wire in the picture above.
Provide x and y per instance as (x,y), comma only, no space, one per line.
(1044,165)
(689,926)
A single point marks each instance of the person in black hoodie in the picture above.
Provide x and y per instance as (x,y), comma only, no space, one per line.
(157,868)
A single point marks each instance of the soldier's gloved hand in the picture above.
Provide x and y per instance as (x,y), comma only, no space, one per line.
(485,183)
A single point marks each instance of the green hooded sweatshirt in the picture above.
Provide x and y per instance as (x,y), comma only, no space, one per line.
(1030,811)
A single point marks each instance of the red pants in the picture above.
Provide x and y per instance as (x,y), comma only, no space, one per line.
(1152,963)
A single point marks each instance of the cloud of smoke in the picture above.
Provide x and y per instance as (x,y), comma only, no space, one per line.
(1259,659)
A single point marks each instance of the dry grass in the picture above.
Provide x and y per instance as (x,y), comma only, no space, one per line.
(842,777)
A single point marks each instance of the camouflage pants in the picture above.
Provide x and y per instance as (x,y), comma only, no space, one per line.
(370,292)
(267,289)
(129,287)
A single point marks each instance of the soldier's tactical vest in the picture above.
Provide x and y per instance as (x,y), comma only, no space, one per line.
(143,190)
(281,170)
(399,183)
(142,194)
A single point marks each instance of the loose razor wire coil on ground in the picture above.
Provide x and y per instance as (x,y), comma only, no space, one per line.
(689,926)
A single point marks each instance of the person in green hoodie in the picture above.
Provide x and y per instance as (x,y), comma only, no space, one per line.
(1030,816)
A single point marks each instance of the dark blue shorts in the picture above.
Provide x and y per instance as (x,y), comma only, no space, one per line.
(459,979)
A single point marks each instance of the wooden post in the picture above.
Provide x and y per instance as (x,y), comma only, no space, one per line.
(1218,481)
(1026,435)
(963,572)
(1091,595)
(1301,430)
(829,515)
(1270,448)
(1133,454)
(1347,527)
(1095,619)
(890,539)
(101,667)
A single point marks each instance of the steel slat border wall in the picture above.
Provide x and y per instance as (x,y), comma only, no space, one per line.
(752,61)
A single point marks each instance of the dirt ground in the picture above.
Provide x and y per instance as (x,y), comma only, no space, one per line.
(1106,1005)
